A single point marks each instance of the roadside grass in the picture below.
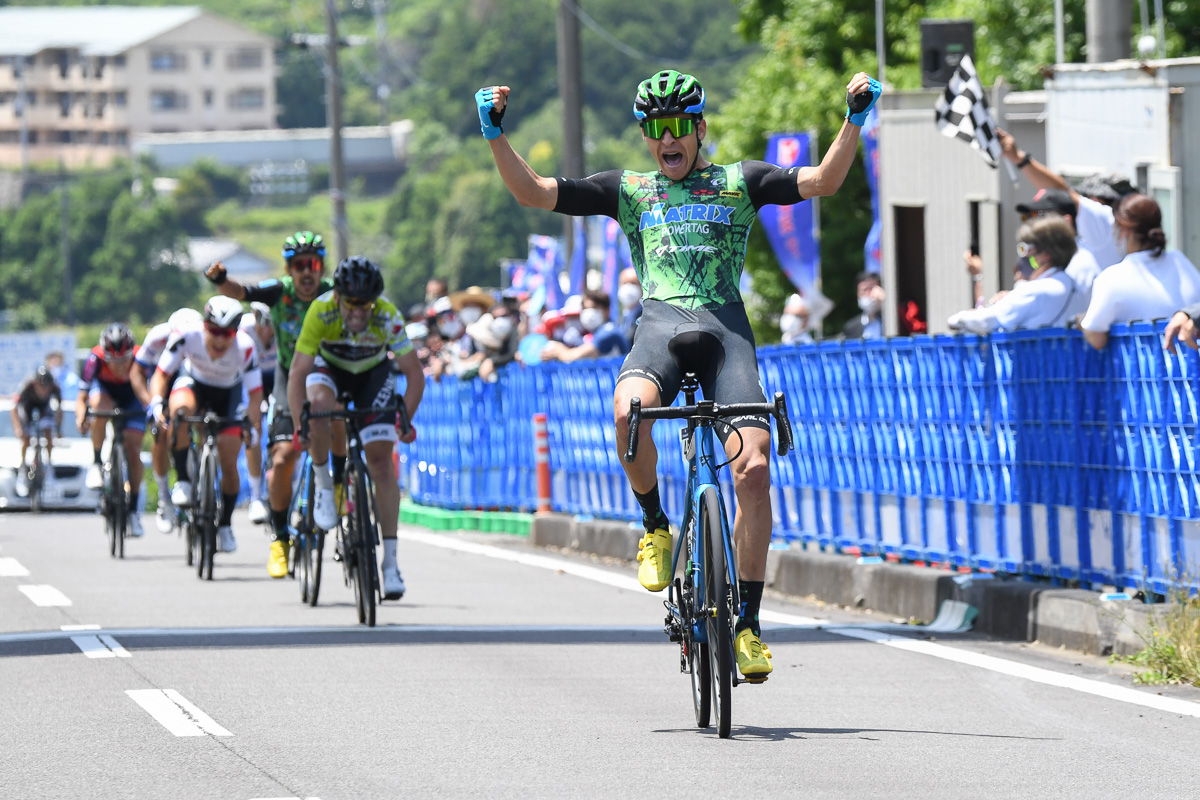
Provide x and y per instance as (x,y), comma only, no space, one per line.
(1172,652)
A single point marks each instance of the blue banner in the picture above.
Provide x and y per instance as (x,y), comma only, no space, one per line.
(542,266)
(870,142)
(791,230)
(578,270)
(616,258)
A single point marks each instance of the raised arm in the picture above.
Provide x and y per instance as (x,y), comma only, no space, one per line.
(529,188)
(225,285)
(826,178)
(1035,171)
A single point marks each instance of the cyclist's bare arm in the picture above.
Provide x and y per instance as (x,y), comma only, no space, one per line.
(137,379)
(826,178)
(530,189)
(16,418)
(409,366)
(225,285)
(254,408)
(81,407)
(1037,172)
(302,364)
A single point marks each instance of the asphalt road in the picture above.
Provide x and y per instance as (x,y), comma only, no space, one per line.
(511,672)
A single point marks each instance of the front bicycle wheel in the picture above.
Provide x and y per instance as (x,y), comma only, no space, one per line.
(718,613)
(313,557)
(208,512)
(117,498)
(359,509)
(697,652)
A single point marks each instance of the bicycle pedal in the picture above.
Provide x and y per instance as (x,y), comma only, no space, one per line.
(758,680)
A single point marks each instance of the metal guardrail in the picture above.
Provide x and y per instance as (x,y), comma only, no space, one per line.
(1026,453)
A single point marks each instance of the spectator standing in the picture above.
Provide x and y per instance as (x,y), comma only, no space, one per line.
(602,338)
(1083,268)
(496,334)
(1047,296)
(868,324)
(629,300)
(435,289)
(793,323)
(1149,283)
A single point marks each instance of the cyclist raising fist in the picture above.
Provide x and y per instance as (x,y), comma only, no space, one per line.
(687,223)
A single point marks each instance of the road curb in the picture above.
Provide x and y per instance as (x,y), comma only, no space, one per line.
(1074,619)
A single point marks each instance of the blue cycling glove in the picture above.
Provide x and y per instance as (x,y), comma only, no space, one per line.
(489,118)
(859,104)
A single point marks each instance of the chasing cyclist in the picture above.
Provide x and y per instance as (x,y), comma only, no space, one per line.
(211,360)
(257,325)
(147,359)
(288,298)
(103,386)
(38,393)
(687,225)
(344,347)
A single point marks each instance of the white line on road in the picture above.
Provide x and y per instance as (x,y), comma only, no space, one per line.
(80,628)
(11,568)
(43,594)
(992,663)
(102,646)
(175,713)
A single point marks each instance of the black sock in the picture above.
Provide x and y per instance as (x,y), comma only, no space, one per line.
(339,467)
(279,523)
(99,460)
(228,501)
(751,595)
(133,503)
(652,511)
(180,459)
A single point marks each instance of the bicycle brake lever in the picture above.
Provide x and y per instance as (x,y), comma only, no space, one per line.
(634,419)
(784,425)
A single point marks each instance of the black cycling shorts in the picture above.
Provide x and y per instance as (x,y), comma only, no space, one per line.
(374,388)
(221,400)
(737,382)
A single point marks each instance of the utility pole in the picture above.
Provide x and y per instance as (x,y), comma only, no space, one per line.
(1109,30)
(23,112)
(64,235)
(570,89)
(333,110)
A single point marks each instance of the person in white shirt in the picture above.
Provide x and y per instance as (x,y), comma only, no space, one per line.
(1150,282)
(1084,267)
(257,325)
(147,359)
(1047,297)
(213,359)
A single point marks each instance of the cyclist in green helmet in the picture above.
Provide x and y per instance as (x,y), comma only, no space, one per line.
(687,223)
(288,298)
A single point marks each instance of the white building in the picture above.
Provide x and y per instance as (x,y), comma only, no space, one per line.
(91,78)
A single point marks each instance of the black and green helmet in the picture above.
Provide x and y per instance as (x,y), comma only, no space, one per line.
(667,93)
(303,243)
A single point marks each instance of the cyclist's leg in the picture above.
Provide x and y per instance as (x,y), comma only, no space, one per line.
(254,456)
(182,398)
(99,400)
(378,389)
(227,402)
(321,389)
(46,429)
(135,431)
(283,456)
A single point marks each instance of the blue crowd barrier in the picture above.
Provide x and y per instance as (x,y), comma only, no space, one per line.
(1027,453)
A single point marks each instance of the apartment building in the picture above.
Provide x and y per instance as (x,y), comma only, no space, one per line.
(78,83)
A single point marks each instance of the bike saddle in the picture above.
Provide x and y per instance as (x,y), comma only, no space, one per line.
(697,351)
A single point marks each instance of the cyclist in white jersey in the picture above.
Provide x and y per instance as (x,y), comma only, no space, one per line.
(212,360)
(257,325)
(147,359)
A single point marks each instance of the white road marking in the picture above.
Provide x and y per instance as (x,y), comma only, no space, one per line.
(991,663)
(102,646)
(175,713)
(80,628)
(43,594)
(11,568)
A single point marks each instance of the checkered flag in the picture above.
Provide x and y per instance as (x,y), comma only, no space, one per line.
(963,113)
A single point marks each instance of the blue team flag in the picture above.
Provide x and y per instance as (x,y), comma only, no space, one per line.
(578,269)
(792,230)
(542,265)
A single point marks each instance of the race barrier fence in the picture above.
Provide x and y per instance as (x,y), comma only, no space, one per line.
(1025,453)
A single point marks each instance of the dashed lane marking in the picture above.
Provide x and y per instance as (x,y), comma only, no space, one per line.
(43,594)
(11,568)
(176,713)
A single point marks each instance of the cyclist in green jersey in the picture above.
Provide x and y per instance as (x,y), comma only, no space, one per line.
(687,223)
(288,298)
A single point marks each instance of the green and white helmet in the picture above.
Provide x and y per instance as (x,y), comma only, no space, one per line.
(303,243)
(667,93)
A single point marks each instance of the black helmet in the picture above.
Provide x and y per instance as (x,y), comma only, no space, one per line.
(116,341)
(43,376)
(667,93)
(358,277)
(303,243)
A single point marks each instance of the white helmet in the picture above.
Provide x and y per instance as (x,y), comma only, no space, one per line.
(224,312)
(184,318)
(262,313)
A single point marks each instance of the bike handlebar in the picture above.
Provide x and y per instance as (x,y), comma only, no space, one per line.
(709,411)
(402,422)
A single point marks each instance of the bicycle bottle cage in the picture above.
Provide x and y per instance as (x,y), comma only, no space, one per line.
(697,351)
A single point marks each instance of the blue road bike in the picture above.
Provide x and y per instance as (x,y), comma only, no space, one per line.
(704,603)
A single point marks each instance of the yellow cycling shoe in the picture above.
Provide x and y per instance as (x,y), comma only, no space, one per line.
(654,560)
(277,564)
(754,660)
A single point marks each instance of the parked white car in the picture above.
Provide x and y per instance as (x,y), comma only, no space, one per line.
(64,486)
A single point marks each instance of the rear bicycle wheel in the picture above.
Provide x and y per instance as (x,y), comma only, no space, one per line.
(313,554)
(718,615)
(300,541)
(117,499)
(368,570)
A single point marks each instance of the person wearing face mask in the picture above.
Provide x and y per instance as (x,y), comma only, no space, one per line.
(496,333)
(629,298)
(602,338)
(869,323)
(1149,283)
(1047,295)
(793,323)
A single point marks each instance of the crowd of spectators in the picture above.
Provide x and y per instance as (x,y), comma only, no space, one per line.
(478,332)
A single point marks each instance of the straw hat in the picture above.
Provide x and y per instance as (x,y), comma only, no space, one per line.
(472,296)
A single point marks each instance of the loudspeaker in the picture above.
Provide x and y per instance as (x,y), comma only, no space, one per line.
(943,44)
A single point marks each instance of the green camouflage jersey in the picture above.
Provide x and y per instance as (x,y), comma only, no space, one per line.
(687,238)
(287,311)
